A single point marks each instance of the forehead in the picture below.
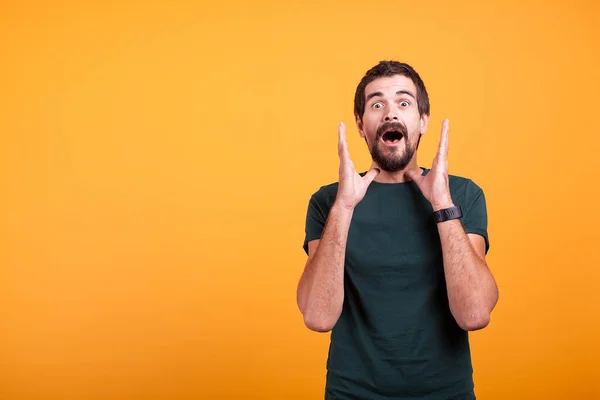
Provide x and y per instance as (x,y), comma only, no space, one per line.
(389,85)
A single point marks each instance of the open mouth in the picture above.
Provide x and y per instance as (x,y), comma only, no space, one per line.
(391,137)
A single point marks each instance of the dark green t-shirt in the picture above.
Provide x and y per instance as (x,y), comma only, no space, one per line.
(396,337)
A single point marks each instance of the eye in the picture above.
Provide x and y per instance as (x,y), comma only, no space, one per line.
(404,103)
(377,105)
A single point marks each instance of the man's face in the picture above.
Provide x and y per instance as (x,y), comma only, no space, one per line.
(391,124)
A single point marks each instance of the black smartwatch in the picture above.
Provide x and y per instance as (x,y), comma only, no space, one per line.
(447,214)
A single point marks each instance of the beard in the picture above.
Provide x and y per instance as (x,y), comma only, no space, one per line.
(394,160)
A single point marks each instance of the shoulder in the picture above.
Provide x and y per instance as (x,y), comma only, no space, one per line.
(469,195)
(319,205)
(326,194)
(464,187)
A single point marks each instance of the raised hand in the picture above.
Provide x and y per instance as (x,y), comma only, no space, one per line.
(352,186)
(434,185)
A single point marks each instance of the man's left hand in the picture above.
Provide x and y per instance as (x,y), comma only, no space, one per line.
(434,185)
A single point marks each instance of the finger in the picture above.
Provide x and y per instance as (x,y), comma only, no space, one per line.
(443,147)
(342,145)
(415,176)
(369,176)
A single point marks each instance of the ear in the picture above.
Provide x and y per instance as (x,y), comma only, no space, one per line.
(424,122)
(360,126)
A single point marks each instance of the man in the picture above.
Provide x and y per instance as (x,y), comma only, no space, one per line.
(396,256)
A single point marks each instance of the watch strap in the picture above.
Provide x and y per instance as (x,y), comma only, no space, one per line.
(447,214)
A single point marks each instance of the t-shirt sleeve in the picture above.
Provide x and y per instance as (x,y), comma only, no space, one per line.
(475,213)
(316,216)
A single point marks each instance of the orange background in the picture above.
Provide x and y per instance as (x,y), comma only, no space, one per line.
(157,158)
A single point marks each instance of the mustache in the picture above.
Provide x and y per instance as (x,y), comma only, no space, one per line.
(392,126)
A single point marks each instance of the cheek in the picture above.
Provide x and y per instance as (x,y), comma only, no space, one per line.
(414,126)
(369,128)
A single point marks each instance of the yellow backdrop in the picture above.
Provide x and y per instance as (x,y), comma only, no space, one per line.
(157,159)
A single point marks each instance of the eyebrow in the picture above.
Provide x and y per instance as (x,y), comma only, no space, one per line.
(398,93)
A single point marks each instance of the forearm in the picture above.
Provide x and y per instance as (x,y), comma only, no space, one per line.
(321,287)
(472,290)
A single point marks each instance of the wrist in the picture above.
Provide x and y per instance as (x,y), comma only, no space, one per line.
(446,214)
(342,208)
(443,205)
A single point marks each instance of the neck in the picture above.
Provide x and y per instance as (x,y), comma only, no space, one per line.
(398,176)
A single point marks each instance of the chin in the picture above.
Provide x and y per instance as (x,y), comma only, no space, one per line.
(395,163)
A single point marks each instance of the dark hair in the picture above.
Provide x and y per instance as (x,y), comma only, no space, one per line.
(385,69)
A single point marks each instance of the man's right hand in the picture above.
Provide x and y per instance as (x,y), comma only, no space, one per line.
(320,293)
(352,186)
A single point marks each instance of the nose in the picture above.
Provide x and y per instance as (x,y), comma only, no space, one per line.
(391,116)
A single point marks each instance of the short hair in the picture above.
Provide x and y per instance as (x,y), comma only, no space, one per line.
(386,69)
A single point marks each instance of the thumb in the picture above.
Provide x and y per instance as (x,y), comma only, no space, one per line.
(369,176)
(413,175)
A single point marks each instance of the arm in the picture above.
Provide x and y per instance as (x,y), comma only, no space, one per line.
(320,292)
(472,290)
